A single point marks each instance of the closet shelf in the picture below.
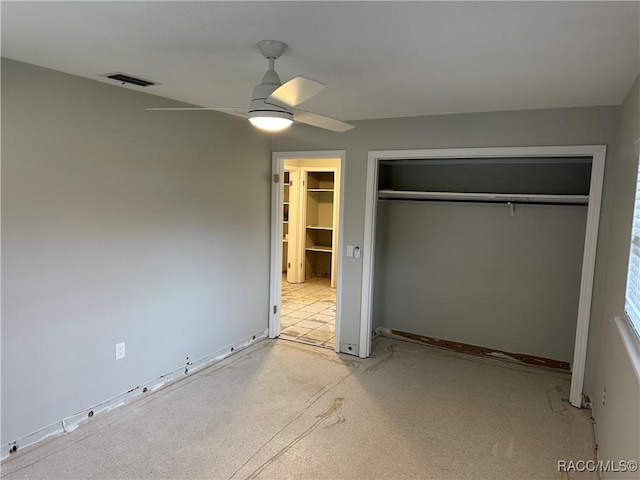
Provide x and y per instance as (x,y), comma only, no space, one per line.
(484,197)
(318,248)
(311,190)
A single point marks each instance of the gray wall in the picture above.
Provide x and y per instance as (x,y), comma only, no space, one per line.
(120,225)
(472,273)
(618,420)
(569,126)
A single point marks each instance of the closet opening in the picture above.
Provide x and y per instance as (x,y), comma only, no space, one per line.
(306,213)
(488,251)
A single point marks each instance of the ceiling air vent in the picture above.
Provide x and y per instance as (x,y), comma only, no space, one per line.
(124,78)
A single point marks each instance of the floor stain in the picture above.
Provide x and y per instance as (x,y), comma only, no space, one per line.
(339,420)
(556,404)
(233,360)
(392,349)
(334,408)
(322,353)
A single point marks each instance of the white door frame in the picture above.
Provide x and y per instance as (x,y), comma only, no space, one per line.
(275,295)
(597,154)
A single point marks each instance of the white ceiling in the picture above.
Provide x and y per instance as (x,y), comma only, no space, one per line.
(378,59)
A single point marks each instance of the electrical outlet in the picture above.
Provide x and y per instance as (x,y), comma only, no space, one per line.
(604,395)
(120,350)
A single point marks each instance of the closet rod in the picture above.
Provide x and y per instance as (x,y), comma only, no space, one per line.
(485,197)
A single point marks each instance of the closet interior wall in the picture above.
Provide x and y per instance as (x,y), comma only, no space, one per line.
(482,273)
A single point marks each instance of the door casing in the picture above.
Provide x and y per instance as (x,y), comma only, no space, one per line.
(275,294)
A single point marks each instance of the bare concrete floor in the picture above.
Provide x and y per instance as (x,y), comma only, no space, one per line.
(285,410)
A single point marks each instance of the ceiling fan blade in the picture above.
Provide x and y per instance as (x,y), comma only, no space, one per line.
(321,121)
(239,111)
(296,91)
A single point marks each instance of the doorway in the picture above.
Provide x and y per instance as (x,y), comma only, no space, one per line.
(306,241)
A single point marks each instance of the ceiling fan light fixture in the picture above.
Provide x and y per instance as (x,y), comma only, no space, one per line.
(271,121)
(272,103)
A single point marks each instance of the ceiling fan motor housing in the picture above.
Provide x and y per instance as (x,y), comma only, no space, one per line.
(272,108)
(271,49)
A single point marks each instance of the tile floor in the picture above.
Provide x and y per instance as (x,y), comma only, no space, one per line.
(309,312)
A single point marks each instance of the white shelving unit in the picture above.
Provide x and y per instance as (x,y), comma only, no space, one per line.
(319,219)
(310,219)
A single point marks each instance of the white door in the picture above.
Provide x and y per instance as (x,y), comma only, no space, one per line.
(292,260)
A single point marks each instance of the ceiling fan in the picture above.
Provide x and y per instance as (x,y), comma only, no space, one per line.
(272,102)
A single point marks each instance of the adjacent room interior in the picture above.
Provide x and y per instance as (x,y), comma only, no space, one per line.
(350,294)
(310,220)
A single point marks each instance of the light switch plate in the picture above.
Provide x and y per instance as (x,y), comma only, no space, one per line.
(120,350)
(349,250)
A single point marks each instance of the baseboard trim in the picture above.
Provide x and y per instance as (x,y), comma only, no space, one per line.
(70,423)
(477,350)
